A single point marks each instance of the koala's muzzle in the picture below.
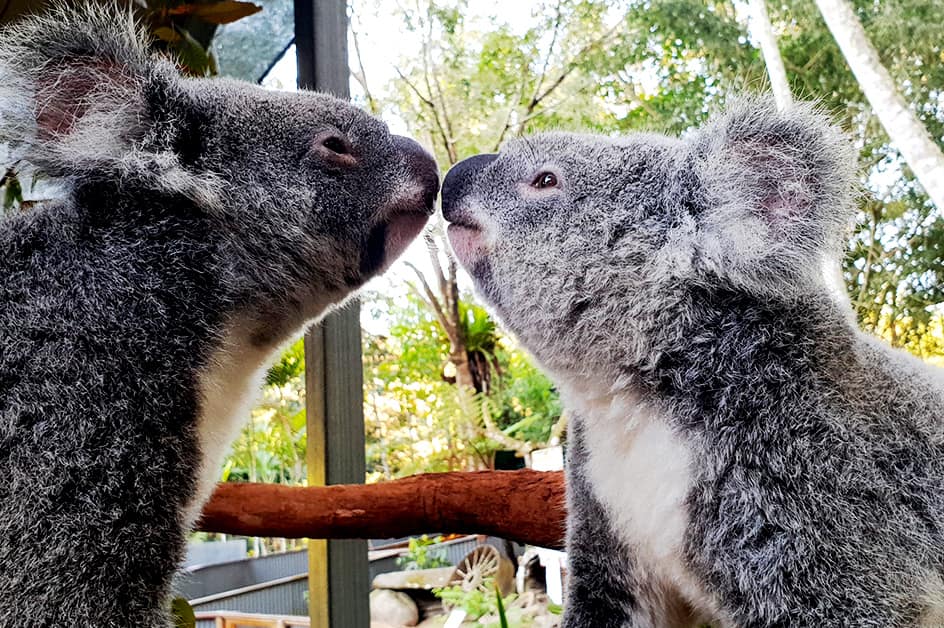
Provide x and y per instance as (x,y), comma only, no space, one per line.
(421,165)
(465,230)
(458,184)
(406,215)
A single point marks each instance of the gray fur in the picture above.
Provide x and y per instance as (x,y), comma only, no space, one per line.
(675,289)
(204,222)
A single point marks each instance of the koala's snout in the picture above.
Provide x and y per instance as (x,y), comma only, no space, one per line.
(458,184)
(465,230)
(405,215)
(421,166)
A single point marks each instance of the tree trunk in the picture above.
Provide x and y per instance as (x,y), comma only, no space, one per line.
(762,30)
(525,506)
(903,127)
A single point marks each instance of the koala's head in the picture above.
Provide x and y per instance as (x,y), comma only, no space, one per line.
(299,181)
(588,247)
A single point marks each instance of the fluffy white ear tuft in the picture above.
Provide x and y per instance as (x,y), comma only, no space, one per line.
(72,87)
(778,188)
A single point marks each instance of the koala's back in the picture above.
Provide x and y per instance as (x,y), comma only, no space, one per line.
(822,452)
(100,341)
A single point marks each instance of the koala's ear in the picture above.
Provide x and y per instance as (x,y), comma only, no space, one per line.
(777,190)
(73,86)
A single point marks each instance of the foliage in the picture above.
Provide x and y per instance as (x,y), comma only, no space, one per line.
(476,603)
(500,608)
(183,614)
(528,405)
(484,605)
(185,29)
(271,447)
(423,555)
(418,420)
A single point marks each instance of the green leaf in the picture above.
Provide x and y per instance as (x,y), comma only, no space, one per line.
(168,34)
(503,621)
(194,58)
(184,616)
(13,195)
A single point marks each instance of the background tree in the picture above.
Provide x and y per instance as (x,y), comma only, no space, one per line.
(912,139)
(415,421)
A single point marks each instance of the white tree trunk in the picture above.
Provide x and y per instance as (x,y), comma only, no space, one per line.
(903,127)
(763,32)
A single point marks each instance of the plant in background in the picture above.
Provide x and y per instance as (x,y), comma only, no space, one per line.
(419,420)
(185,29)
(182,613)
(484,605)
(502,619)
(422,555)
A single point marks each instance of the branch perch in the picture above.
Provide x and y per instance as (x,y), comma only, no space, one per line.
(524,506)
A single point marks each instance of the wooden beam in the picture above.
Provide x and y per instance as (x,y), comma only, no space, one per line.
(525,506)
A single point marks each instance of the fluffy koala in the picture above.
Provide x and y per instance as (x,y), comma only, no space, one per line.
(739,453)
(203,223)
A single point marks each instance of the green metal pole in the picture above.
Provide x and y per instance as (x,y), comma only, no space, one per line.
(338,571)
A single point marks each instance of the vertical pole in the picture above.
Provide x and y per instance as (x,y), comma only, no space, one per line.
(338,571)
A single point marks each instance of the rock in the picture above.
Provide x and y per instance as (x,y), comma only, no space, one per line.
(393,608)
(414,578)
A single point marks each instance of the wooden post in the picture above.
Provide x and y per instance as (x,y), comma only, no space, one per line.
(338,571)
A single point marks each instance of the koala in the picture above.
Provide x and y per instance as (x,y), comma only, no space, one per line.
(739,453)
(202,224)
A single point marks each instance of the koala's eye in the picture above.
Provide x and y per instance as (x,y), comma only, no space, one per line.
(334,149)
(545,180)
(336,145)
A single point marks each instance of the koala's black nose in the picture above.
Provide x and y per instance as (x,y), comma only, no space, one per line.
(459,180)
(422,167)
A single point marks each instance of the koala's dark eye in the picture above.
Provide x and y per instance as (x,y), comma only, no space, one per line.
(334,149)
(545,180)
(336,145)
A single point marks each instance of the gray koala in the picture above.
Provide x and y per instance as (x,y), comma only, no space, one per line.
(740,453)
(203,224)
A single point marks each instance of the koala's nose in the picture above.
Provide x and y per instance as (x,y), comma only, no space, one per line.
(459,180)
(421,165)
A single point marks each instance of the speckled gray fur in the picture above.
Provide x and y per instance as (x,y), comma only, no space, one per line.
(680,284)
(198,216)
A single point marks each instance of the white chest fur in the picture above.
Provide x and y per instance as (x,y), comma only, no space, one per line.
(229,384)
(642,472)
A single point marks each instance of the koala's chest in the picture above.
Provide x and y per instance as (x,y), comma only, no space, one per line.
(228,385)
(642,472)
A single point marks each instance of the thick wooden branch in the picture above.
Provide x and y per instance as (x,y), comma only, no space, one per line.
(525,506)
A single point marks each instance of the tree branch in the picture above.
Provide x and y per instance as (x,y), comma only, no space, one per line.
(537,87)
(447,324)
(524,506)
(425,100)
(361,76)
